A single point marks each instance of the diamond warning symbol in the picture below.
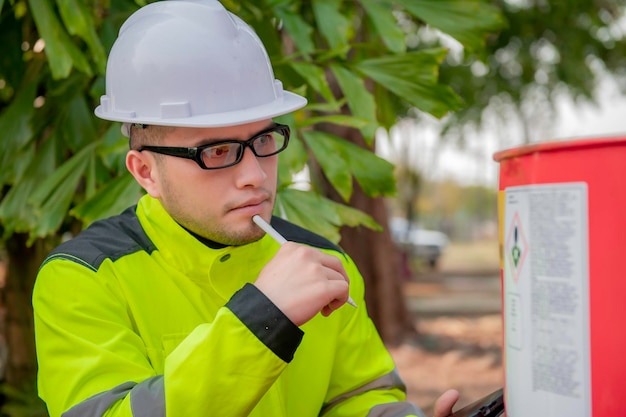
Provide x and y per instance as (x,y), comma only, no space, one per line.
(516,247)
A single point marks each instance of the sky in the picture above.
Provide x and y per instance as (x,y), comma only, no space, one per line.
(475,165)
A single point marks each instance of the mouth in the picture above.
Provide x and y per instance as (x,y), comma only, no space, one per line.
(251,206)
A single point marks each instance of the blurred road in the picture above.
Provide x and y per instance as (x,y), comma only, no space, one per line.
(437,294)
(458,318)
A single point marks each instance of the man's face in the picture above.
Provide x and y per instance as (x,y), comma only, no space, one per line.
(217,204)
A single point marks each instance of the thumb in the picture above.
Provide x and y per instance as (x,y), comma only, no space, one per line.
(444,404)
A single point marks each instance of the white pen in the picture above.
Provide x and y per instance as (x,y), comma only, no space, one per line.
(281,240)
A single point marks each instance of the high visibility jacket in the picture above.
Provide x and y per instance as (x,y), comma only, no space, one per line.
(137,317)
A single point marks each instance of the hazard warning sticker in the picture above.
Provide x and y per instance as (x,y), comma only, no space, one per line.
(516,247)
(546,299)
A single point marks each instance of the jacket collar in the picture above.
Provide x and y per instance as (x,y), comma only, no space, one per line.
(226,268)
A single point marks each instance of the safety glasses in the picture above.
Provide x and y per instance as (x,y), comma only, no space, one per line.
(227,153)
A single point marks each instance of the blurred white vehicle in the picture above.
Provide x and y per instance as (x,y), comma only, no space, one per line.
(428,245)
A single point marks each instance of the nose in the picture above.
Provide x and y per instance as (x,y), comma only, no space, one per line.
(251,170)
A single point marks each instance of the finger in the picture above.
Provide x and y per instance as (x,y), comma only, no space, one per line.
(341,294)
(329,308)
(335,304)
(337,273)
(335,264)
(336,278)
(444,404)
(328,261)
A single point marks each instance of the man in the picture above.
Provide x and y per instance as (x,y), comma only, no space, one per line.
(181,305)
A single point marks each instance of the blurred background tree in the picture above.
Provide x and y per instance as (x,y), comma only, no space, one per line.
(551,52)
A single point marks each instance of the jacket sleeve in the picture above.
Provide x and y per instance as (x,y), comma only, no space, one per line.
(93,363)
(365,381)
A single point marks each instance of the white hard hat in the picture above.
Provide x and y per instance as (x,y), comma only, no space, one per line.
(191,63)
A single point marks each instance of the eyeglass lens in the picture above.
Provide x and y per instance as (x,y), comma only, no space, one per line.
(224,154)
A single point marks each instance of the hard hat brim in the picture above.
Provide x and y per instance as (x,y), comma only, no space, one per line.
(287,103)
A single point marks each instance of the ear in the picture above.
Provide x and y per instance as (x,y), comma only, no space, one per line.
(144,168)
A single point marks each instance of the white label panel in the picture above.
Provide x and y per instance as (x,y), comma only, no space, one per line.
(546,300)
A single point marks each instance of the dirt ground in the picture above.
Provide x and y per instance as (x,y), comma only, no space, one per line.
(463,353)
(459,348)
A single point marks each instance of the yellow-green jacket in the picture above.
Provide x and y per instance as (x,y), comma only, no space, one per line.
(137,317)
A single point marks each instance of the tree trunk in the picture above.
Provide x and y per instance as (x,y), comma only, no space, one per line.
(23,264)
(377,258)
(379,262)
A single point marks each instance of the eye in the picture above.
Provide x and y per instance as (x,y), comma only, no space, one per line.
(264,140)
(218,151)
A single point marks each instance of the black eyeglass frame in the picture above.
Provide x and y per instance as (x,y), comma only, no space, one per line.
(195,153)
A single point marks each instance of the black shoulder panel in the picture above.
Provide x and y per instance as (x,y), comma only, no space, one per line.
(110,238)
(298,234)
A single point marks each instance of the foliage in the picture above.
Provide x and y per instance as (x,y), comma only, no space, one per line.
(61,165)
(548,50)
(22,402)
(58,157)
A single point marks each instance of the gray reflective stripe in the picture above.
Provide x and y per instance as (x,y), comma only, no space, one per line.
(388,381)
(147,399)
(96,406)
(399,409)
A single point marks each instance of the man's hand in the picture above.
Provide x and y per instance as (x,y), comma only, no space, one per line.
(303,281)
(444,404)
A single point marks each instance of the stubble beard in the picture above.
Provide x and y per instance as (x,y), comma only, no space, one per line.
(212,227)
